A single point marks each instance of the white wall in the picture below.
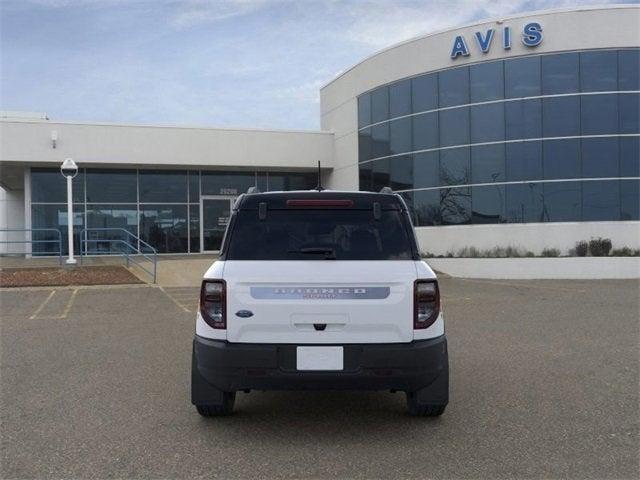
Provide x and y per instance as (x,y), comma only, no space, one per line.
(11,216)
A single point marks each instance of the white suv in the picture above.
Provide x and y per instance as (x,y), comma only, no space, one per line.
(320,290)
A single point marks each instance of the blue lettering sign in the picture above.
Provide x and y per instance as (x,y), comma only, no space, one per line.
(485,43)
(532,34)
(459,47)
(506,38)
(531,37)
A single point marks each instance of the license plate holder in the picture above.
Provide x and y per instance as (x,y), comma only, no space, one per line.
(319,358)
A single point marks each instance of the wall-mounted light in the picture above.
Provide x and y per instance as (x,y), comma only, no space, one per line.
(54,138)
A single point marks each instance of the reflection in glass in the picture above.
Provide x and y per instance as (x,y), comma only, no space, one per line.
(425,131)
(454,127)
(629,200)
(226,183)
(487,164)
(292,181)
(629,113)
(164,227)
(600,157)
(400,98)
(401,172)
(55,216)
(599,71)
(380,104)
(522,77)
(114,218)
(560,73)
(364,110)
(562,202)
(380,140)
(488,204)
(163,186)
(454,87)
(487,81)
(561,116)
(599,114)
(629,69)
(524,203)
(215,217)
(366,176)
(600,201)
(426,208)
(455,205)
(424,92)
(523,119)
(112,186)
(426,169)
(400,135)
(561,159)
(523,161)
(194,186)
(630,157)
(380,174)
(365,145)
(487,123)
(48,185)
(454,166)
(194,227)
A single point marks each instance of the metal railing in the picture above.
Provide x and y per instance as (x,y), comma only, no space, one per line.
(31,241)
(130,247)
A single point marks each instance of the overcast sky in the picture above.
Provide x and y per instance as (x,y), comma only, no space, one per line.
(243,63)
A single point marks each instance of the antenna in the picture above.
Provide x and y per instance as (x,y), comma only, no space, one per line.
(319,187)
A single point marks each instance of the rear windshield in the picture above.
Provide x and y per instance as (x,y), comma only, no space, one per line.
(319,235)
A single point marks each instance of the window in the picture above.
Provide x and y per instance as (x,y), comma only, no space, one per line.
(562,202)
(629,200)
(454,127)
(561,116)
(629,112)
(522,77)
(454,87)
(455,205)
(523,119)
(194,228)
(194,186)
(426,207)
(425,131)
(365,176)
(488,204)
(487,164)
(599,114)
(600,157)
(523,161)
(163,186)
(49,186)
(524,203)
(380,174)
(400,135)
(115,218)
(426,170)
(165,227)
(400,99)
(600,201)
(365,145)
(454,166)
(560,73)
(55,216)
(630,157)
(629,69)
(487,123)
(487,81)
(364,110)
(401,172)
(561,159)
(227,183)
(380,105)
(112,186)
(292,181)
(599,71)
(424,93)
(380,140)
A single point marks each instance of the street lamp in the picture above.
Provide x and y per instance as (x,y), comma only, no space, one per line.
(69,169)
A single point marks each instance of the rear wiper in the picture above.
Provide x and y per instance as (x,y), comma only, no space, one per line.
(329,253)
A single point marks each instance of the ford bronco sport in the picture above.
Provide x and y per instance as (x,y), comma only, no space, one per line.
(320,290)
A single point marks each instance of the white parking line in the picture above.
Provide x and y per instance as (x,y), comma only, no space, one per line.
(69,303)
(174,300)
(46,300)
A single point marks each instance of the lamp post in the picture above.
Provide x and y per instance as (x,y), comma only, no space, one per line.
(69,169)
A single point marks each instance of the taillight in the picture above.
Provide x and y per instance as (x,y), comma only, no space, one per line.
(426,305)
(213,303)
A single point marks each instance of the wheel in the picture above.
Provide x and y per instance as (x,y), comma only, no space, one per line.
(418,409)
(218,410)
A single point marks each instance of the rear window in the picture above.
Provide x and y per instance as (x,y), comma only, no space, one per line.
(319,235)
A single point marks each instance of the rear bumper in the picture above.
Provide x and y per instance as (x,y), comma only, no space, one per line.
(395,366)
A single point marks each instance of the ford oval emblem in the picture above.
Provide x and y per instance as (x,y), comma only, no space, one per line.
(244,313)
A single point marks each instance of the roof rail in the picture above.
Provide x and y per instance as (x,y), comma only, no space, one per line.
(253,189)
(386,190)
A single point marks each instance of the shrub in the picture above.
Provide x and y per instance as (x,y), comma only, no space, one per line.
(427,255)
(582,248)
(600,247)
(550,252)
(624,252)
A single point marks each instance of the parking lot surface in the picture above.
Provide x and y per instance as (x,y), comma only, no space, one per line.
(544,383)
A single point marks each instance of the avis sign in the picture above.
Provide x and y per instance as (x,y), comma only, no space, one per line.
(531,37)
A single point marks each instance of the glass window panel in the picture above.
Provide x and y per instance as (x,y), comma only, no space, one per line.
(454,127)
(560,73)
(263,181)
(487,81)
(380,140)
(522,77)
(630,156)
(455,205)
(112,186)
(400,98)
(523,161)
(629,113)
(54,216)
(629,200)
(561,159)
(454,166)
(487,204)
(562,202)
(426,207)
(600,157)
(364,110)
(194,227)
(163,186)
(401,172)
(487,123)
(366,176)
(487,164)
(115,218)
(424,92)
(48,185)
(425,131)
(599,114)
(454,87)
(227,183)
(561,116)
(400,135)
(380,104)
(292,181)
(600,201)
(629,69)
(523,119)
(524,203)
(426,169)
(194,186)
(599,71)
(164,227)
(365,145)
(380,174)
(408,199)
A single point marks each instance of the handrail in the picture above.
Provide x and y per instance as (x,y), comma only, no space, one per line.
(127,248)
(32,241)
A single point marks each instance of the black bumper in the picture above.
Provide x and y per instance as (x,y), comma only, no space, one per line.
(395,366)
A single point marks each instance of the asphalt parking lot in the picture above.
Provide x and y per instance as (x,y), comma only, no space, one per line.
(95,384)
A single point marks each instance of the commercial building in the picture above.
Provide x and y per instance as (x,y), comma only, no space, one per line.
(519,131)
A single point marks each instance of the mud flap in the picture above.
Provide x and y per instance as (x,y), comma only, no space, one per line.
(202,393)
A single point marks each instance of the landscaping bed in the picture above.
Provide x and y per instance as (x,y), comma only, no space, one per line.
(59,276)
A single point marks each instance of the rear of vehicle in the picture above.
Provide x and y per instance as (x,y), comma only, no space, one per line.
(320,290)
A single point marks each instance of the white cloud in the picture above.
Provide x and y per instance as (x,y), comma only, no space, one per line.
(196,12)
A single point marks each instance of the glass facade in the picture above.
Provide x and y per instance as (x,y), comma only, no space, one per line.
(162,207)
(544,138)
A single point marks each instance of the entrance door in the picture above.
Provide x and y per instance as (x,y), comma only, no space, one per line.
(214,216)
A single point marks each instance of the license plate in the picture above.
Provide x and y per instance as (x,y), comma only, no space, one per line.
(319,358)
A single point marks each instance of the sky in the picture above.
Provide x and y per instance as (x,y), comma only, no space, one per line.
(221,63)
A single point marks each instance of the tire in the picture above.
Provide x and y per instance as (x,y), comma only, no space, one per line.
(417,409)
(220,410)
